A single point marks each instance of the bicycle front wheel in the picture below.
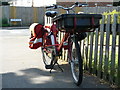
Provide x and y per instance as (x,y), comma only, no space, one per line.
(76,61)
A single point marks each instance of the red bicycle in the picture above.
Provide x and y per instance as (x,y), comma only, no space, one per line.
(74,26)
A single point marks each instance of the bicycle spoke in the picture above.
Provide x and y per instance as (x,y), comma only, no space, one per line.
(47,57)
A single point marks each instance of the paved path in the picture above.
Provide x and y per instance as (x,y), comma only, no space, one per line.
(23,67)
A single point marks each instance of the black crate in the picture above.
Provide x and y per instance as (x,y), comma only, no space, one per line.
(77,22)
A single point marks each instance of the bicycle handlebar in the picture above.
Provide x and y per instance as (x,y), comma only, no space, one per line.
(69,8)
(54,7)
(49,7)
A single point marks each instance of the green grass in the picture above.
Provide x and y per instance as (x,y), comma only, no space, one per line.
(110,52)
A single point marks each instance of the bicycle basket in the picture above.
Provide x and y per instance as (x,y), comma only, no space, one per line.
(77,22)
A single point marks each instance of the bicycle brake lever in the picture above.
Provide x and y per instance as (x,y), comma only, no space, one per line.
(83,5)
(55,6)
(80,5)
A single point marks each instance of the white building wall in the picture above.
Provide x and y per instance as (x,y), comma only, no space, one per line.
(84,0)
(35,3)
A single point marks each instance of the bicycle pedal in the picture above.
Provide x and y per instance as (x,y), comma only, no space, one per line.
(49,66)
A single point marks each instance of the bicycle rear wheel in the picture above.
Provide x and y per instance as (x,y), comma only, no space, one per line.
(48,58)
(76,61)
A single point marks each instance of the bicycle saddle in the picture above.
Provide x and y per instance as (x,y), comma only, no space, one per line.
(51,13)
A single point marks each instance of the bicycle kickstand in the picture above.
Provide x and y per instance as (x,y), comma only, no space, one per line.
(58,67)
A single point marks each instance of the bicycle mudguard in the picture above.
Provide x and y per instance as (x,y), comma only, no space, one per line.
(81,36)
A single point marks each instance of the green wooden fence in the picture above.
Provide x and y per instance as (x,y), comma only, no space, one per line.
(101,51)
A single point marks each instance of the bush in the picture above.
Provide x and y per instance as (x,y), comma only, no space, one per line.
(4,22)
(112,14)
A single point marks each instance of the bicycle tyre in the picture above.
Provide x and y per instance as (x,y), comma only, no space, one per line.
(76,62)
(48,58)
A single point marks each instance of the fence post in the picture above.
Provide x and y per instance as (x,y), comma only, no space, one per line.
(101,48)
(91,51)
(13,13)
(82,43)
(61,35)
(118,71)
(112,66)
(59,39)
(63,51)
(106,63)
(86,51)
(35,14)
(96,51)
(66,55)
(118,74)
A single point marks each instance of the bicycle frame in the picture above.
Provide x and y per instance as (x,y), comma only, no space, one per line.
(53,38)
(53,29)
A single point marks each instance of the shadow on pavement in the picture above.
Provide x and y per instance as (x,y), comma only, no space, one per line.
(38,78)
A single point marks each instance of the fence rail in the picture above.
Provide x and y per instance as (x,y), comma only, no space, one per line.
(98,9)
